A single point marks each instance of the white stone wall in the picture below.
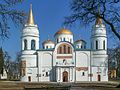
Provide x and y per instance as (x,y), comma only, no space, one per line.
(99,65)
(45,65)
(82,61)
(31,67)
(80,45)
(102,71)
(49,45)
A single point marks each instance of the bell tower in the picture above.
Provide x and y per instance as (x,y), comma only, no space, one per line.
(30,43)
(99,57)
(99,37)
(30,34)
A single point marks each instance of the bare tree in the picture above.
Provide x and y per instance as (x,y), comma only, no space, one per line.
(11,66)
(9,14)
(7,62)
(86,11)
(114,59)
(1,61)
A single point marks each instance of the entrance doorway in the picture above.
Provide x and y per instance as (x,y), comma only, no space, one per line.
(65,76)
(99,78)
(29,78)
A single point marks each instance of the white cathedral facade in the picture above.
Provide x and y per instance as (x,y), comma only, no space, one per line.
(63,60)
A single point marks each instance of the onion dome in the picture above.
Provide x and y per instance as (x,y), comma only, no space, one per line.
(48,42)
(98,21)
(64,31)
(79,41)
(81,44)
(99,28)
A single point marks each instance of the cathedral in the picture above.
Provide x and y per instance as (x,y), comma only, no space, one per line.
(63,60)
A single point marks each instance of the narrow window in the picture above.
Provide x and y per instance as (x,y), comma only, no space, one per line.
(81,46)
(23,72)
(57,40)
(83,73)
(84,47)
(60,52)
(71,40)
(47,74)
(64,49)
(96,44)
(25,44)
(46,47)
(60,39)
(33,45)
(63,60)
(104,44)
(64,39)
(68,50)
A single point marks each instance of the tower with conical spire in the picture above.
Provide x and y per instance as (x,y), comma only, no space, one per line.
(30,34)
(30,43)
(30,20)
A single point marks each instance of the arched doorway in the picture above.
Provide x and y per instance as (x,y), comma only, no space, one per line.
(99,78)
(65,76)
(29,78)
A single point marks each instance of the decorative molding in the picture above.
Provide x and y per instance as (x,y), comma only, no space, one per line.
(59,57)
(81,68)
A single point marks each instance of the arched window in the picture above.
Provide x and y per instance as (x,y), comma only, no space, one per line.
(63,39)
(64,49)
(71,40)
(77,46)
(81,46)
(57,40)
(68,50)
(33,45)
(25,44)
(23,72)
(84,47)
(60,39)
(104,44)
(96,44)
(60,50)
(46,47)
(83,73)
(47,74)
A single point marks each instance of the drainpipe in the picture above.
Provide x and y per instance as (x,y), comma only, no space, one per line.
(37,66)
(90,67)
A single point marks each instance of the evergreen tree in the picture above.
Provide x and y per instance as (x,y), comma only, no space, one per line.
(1,61)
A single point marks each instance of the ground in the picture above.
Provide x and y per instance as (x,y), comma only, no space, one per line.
(17,85)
